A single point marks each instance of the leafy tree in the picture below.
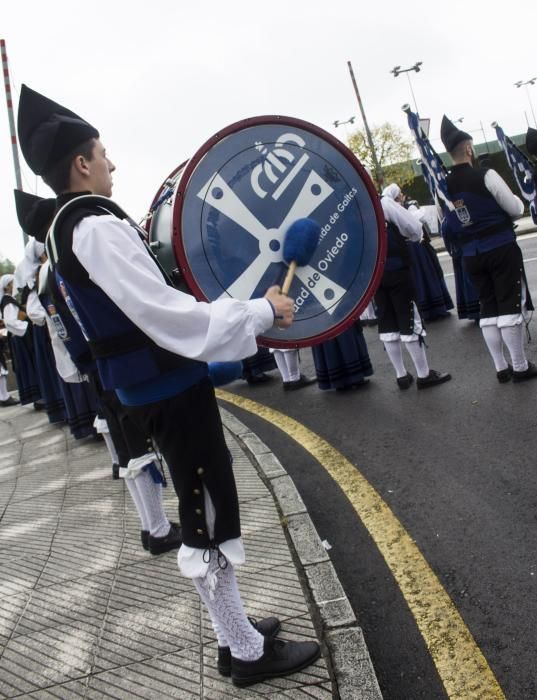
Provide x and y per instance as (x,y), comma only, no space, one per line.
(6,266)
(393,151)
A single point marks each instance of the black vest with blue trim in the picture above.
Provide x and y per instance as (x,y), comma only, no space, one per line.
(124,354)
(398,254)
(477,223)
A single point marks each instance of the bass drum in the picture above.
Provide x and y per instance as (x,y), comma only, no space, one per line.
(158,223)
(221,219)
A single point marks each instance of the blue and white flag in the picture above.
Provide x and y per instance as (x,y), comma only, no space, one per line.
(434,171)
(522,169)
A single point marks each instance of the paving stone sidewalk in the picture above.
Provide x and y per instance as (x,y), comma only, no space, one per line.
(86,612)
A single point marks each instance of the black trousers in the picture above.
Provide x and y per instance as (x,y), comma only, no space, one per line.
(188,432)
(498,275)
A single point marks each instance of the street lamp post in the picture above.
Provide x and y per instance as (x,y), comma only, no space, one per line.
(416,68)
(376,164)
(525,83)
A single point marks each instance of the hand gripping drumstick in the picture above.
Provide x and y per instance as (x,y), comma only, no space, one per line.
(299,245)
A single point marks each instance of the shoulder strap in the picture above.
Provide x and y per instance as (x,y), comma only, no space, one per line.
(100,205)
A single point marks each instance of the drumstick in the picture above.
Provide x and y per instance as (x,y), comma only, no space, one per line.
(299,245)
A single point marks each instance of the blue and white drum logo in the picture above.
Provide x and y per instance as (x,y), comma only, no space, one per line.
(236,200)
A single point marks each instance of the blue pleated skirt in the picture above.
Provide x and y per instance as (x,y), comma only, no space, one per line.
(25,371)
(81,408)
(343,361)
(432,296)
(49,380)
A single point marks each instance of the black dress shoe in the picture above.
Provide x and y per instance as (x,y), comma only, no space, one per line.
(279,659)
(159,545)
(352,387)
(505,375)
(39,405)
(261,378)
(9,402)
(268,627)
(404,382)
(530,373)
(302,381)
(432,379)
(144,536)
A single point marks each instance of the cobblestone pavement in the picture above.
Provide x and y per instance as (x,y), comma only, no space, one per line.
(86,612)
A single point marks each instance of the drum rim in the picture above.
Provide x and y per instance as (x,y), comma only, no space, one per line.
(148,222)
(180,253)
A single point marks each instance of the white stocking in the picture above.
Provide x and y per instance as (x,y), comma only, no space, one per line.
(4,393)
(493,339)
(416,350)
(395,353)
(220,593)
(138,503)
(150,494)
(513,337)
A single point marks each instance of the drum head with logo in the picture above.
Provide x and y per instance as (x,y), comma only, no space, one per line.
(237,198)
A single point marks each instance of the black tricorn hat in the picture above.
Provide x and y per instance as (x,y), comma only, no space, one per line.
(47,131)
(531,141)
(35,214)
(450,135)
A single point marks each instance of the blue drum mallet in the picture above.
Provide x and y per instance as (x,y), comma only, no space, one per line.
(299,245)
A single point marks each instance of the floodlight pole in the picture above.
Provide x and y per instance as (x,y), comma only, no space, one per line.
(376,164)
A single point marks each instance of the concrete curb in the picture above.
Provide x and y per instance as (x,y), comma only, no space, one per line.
(351,664)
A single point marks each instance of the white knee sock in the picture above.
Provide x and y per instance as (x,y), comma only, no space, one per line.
(281,364)
(111,448)
(151,496)
(4,393)
(513,337)
(493,339)
(220,593)
(138,503)
(416,350)
(293,368)
(395,353)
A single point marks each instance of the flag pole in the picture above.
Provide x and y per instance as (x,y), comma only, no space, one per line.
(11,119)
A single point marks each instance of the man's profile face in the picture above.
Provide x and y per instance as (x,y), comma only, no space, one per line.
(100,171)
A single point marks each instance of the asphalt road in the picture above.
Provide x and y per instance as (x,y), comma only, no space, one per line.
(456,464)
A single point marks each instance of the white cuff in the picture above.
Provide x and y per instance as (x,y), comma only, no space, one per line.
(191,562)
(263,316)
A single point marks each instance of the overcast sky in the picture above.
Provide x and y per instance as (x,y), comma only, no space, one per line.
(159,78)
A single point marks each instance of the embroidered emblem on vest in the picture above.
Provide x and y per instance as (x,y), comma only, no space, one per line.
(56,319)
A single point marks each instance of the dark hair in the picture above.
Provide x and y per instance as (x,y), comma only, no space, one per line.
(57,177)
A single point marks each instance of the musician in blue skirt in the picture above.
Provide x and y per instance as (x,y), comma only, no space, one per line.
(20,344)
(432,297)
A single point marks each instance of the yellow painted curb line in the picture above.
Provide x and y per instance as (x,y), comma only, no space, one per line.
(460,663)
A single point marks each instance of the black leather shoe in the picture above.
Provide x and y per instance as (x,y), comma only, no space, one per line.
(505,375)
(261,378)
(530,373)
(39,405)
(279,659)
(144,536)
(268,627)
(405,382)
(9,402)
(432,379)
(159,545)
(302,381)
